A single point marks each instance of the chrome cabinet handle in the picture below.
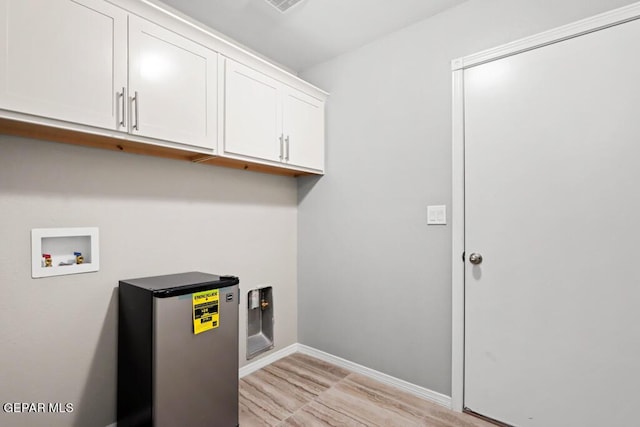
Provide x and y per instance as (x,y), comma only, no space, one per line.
(123,107)
(135,100)
(475,258)
(281,147)
(286,140)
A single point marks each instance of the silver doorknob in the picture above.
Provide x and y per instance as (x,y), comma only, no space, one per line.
(475,258)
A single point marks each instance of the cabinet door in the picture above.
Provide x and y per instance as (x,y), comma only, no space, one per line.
(303,130)
(172,86)
(253,116)
(64,60)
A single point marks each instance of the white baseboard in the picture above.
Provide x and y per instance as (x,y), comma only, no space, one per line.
(267,360)
(416,390)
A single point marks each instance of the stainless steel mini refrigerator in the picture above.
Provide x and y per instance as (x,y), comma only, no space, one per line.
(178,351)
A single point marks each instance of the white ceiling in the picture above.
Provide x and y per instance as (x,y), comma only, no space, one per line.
(312,31)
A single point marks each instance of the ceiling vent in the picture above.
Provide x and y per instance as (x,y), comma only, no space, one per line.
(283,5)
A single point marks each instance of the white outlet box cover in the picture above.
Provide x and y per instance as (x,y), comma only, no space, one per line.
(437,215)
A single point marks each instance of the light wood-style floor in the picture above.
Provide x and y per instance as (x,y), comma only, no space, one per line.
(300,390)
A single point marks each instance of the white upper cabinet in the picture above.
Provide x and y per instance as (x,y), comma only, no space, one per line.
(63,59)
(67,60)
(303,130)
(172,86)
(253,113)
(126,70)
(268,120)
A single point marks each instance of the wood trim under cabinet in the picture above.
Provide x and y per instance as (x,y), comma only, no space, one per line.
(67,136)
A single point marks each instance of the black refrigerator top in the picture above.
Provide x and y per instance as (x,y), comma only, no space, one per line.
(180,284)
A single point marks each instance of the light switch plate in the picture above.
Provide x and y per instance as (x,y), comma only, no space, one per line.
(437,215)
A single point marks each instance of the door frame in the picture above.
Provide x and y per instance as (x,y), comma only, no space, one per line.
(458,66)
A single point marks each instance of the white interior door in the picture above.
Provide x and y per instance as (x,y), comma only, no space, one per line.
(552,149)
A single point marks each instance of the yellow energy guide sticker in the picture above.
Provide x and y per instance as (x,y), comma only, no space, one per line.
(205,311)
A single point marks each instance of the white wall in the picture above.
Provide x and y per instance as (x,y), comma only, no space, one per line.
(58,335)
(374,282)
